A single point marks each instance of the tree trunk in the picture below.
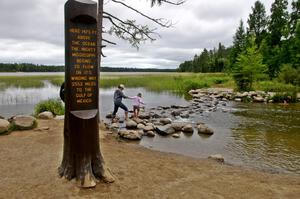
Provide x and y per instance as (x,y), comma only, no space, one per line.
(82,158)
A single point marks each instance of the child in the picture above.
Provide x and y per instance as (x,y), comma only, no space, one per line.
(137,101)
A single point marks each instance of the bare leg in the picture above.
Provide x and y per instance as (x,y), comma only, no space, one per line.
(126,115)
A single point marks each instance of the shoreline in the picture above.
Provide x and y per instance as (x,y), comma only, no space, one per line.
(30,160)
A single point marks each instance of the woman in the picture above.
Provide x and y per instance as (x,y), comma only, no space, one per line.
(118,96)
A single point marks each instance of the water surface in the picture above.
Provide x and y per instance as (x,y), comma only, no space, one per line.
(263,136)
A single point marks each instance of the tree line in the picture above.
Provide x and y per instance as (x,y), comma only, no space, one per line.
(27,67)
(268,45)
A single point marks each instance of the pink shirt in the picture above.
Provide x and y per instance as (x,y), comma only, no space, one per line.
(137,101)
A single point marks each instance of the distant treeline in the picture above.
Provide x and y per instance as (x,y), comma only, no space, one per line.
(25,67)
(109,69)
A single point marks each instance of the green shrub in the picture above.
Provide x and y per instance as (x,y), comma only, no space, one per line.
(53,105)
(189,85)
(290,75)
(289,97)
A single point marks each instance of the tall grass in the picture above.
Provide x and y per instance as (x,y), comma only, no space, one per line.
(177,82)
(53,105)
(26,81)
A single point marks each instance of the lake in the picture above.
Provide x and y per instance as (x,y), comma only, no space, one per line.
(263,136)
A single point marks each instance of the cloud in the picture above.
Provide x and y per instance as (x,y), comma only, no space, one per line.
(33,31)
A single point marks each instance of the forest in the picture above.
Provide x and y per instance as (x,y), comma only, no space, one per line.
(266,47)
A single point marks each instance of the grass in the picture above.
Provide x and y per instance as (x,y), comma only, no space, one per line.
(26,81)
(174,82)
(158,82)
(53,105)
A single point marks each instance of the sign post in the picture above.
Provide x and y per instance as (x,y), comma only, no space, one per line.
(82,158)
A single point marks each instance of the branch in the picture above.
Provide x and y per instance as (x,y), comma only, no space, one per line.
(159,2)
(110,42)
(159,21)
(129,30)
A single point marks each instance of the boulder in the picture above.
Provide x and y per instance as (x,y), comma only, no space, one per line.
(155,115)
(144,116)
(46,115)
(59,117)
(177,126)
(238,99)
(140,126)
(188,128)
(258,99)
(165,121)
(176,135)
(184,115)
(114,126)
(176,113)
(148,128)
(24,122)
(168,129)
(137,120)
(131,134)
(202,129)
(150,133)
(4,126)
(130,124)
(217,157)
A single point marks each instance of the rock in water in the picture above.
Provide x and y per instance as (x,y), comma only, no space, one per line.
(130,124)
(176,135)
(202,129)
(217,157)
(140,126)
(150,134)
(148,128)
(114,126)
(24,122)
(188,129)
(138,120)
(46,115)
(4,126)
(177,126)
(165,121)
(131,134)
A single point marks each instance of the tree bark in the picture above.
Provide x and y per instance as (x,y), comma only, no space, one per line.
(82,158)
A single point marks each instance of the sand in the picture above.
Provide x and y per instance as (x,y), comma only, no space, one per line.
(29,162)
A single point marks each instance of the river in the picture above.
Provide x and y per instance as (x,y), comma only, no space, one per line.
(263,136)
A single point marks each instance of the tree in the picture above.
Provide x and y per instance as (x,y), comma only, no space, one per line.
(239,43)
(295,47)
(90,166)
(295,16)
(257,21)
(248,67)
(278,26)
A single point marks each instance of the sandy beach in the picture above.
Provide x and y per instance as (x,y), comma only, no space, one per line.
(29,162)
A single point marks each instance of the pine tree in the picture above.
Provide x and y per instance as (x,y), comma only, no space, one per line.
(295,16)
(278,21)
(257,22)
(239,43)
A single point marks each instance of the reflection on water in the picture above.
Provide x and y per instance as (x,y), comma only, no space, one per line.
(268,136)
(256,135)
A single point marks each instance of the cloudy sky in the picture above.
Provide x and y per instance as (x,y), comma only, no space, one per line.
(32,31)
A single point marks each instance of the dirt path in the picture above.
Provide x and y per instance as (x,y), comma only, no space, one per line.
(29,162)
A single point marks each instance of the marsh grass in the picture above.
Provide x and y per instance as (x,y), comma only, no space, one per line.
(53,105)
(26,81)
(179,83)
(174,82)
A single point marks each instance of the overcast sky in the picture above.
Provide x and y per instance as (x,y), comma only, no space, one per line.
(32,31)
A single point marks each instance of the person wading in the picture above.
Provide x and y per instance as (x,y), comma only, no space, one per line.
(118,96)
